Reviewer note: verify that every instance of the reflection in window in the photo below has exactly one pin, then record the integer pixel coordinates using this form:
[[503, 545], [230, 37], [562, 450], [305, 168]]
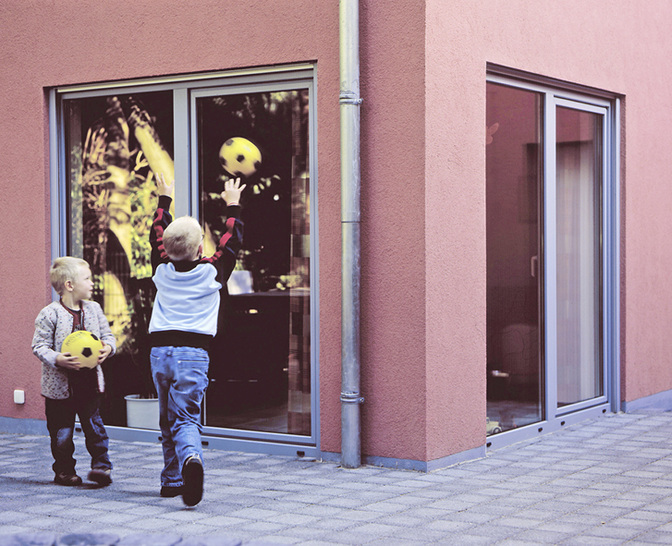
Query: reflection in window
[[260, 367], [260, 361], [113, 144], [579, 185], [513, 181]]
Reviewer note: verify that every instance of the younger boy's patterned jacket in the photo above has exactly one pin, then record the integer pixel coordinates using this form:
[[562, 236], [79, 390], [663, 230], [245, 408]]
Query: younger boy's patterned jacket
[[52, 326]]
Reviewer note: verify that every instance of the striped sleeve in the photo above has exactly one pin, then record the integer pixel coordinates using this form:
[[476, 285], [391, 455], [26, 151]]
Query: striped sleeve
[[162, 219], [224, 259]]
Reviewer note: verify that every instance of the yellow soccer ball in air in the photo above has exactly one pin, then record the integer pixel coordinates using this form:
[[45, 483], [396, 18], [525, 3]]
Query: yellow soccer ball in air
[[240, 157], [85, 346]]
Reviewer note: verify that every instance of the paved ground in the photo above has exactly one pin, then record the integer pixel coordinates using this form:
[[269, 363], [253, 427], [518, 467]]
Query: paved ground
[[605, 481]]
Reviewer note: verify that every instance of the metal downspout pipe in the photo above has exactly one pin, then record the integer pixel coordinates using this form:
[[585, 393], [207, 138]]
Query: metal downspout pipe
[[350, 225]]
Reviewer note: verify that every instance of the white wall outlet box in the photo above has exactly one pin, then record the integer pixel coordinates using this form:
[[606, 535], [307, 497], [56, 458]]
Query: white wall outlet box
[[19, 396]]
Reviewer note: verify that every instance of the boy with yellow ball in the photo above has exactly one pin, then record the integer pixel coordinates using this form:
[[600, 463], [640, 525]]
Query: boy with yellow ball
[[68, 388]]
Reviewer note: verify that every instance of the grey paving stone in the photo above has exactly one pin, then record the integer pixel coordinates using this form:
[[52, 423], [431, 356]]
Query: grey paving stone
[[450, 526], [10, 530], [605, 481], [651, 515], [334, 524], [666, 528], [653, 537], [569, 528], [320, 510], [542, 536], [494, 532], [149, 539], [386, 507], [518, 522], [613, 532], [87, 539], [402, 520], [202, 541], [29, 539]]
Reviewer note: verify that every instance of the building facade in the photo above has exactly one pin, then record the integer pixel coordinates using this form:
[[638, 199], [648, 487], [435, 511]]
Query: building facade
[[514, 190]]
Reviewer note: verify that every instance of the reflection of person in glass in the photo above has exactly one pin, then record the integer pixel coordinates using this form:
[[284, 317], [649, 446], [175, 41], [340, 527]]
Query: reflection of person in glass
[[184, 321]]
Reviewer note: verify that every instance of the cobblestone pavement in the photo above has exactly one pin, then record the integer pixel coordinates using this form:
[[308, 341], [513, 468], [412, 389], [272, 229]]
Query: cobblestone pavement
[[603, 481]]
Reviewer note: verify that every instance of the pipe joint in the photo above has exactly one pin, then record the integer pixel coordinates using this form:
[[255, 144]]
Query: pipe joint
[[351, 398], [349, 97]]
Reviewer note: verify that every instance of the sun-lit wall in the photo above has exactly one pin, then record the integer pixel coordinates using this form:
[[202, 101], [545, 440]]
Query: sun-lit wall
[[590, 43], [46, 45], [83, 42], [423, 176]]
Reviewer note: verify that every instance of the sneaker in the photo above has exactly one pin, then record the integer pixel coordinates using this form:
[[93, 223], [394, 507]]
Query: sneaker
[[170, 492], [192, 475], [101, 476], [63, 478]]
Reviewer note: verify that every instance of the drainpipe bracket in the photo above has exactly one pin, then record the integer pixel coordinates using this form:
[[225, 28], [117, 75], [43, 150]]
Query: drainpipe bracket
[[348, 97], [352, 398]]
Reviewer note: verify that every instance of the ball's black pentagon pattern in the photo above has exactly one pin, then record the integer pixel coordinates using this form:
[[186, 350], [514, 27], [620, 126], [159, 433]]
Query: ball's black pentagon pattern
[[84, 345], [240, 157]]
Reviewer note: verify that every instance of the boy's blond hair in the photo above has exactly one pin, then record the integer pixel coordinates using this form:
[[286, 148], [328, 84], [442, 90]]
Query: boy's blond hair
[[65, 268], [182, 239]]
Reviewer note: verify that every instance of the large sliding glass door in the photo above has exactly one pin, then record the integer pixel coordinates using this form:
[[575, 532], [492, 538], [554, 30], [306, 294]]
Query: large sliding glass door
[[551, 223], [579, 173], [111, 140], [260, 376], [514, 225]]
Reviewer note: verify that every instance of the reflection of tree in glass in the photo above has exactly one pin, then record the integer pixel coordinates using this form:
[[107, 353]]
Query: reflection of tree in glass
[[117, 204], [277, 123]]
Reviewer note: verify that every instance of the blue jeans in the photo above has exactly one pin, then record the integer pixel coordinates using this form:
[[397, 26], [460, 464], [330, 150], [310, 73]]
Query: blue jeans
[[61, 425], [181, 377]]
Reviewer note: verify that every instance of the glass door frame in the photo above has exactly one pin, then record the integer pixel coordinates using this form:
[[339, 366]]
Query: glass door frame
[[554, 102], [554, 95], [259, 79], [195, 197]]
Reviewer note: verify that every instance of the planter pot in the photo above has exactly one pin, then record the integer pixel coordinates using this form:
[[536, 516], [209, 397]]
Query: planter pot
[[142, 412]]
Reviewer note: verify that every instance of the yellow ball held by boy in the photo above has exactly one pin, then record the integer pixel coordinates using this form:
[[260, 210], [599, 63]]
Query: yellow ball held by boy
[[85, 346]]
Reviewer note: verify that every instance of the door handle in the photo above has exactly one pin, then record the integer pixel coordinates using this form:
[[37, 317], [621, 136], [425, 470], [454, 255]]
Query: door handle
[[534, 261]]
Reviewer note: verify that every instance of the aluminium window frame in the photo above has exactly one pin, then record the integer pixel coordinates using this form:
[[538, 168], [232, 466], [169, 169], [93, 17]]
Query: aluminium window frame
[[556, 94], [184, 87]]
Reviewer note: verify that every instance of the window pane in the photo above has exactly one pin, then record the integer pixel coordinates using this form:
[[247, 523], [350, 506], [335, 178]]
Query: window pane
[[260, 360], [579, 167], [513, 181], [112, 144]]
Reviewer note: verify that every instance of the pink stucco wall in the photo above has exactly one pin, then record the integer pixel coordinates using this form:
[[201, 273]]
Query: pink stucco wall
[[591, 43], [51, 44], [423, 176], [393, 256]]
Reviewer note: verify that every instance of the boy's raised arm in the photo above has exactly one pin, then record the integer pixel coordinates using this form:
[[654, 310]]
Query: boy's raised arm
[[230, 243], [162, 218], [164, 187]]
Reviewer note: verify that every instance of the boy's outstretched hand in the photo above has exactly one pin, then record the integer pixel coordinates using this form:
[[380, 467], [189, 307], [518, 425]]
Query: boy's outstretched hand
[[232, 191], [163, 187]]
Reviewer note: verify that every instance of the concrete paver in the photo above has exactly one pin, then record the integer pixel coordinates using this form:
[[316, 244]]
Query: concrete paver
[[603, 481]]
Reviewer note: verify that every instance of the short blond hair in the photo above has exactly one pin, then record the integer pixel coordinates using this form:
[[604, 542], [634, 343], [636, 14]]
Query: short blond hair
[[65, 268], [182, 239]]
